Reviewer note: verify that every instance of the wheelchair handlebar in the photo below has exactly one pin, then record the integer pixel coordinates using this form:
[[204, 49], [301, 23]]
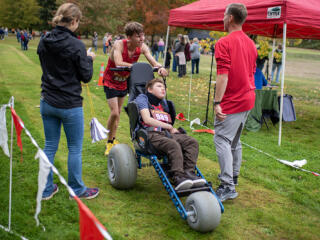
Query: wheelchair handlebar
[[128, 69]]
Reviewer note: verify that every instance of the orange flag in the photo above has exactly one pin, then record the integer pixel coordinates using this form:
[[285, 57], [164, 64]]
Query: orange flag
[[90, 227], [17, 123]]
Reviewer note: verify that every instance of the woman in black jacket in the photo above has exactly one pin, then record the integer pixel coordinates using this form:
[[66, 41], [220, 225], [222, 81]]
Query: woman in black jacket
[[65, 63]]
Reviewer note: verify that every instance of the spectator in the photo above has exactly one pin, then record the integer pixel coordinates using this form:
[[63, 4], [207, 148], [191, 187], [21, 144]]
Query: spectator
[[168, 60], [95, 41], [195, 55], [174, 63], [25, 40], [105, 43], [277, 63], [1, 33], [65, 64], [180, 57], [259, 79], [22, 39], [236, 56], [18, 35], [155, 51], [187, 48], [161, 47]]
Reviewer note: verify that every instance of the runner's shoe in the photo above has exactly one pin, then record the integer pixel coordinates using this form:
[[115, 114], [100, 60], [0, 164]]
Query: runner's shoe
[[109, 146]]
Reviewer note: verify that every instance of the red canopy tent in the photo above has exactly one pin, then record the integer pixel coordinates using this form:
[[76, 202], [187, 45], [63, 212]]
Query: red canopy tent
[[265, 17], [270, 18]]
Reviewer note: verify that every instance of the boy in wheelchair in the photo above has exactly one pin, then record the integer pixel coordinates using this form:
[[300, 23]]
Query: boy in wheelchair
[[181, 149]]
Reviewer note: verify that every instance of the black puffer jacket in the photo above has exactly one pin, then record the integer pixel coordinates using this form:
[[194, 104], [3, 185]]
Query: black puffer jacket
[[65, 64]]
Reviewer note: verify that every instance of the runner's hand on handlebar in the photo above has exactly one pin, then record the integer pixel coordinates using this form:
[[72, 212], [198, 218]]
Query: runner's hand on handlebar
[[162, 71]]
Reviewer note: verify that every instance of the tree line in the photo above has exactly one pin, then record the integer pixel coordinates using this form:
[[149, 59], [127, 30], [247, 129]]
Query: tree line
[[98, 15]]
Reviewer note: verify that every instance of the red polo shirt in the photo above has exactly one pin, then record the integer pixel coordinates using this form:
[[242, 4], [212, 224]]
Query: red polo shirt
[[236, 56]]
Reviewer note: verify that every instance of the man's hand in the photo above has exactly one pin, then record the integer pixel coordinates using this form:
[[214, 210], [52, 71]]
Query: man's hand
[[163, 72], [218, 112]]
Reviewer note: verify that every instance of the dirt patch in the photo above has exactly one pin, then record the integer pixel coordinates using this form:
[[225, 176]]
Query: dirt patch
[[255, 198], [303, 69]]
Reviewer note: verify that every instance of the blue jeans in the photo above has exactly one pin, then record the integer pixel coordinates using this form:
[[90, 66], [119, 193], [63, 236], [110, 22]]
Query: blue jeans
[[174, 62], [274, 67], [72, 121], [156, 54], [195, 62], [104, 49]]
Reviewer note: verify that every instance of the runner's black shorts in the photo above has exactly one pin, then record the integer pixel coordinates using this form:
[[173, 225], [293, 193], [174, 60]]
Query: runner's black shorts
[[111, 92]]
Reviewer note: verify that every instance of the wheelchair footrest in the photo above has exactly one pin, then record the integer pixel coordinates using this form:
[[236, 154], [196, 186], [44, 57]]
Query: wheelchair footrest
[[187, 192]]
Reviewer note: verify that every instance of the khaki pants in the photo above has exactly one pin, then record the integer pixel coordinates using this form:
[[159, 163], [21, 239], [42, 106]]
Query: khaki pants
[[228, 146], [182, 150]]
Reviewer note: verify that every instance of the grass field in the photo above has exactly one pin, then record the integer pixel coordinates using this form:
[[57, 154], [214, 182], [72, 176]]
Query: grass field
[[275, 201]]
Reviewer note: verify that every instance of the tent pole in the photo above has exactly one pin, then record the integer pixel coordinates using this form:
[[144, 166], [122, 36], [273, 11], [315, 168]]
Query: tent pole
[[272, 56], [282, 78], [190, 84], [166, 47]]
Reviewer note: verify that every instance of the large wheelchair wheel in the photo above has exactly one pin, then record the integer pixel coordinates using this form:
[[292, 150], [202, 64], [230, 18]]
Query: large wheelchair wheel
[[122, 167], [205, 211]]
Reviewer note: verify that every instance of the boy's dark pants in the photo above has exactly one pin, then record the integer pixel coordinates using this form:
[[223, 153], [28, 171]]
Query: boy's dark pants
[[182, 150]]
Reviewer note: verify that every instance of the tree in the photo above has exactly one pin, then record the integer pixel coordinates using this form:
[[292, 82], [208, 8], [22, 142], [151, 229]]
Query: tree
[[102, 15], [153, 14], [19, 14], [47, 7]]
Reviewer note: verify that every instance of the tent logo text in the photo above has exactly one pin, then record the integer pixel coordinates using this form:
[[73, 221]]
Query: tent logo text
[[274, 12]]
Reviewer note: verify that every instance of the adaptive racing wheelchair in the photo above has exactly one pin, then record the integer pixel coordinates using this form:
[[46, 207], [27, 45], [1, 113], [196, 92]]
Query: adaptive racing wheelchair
[[203, 208]]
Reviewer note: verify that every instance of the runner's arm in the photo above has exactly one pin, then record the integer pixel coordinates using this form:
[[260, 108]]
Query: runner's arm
[[145, 50]]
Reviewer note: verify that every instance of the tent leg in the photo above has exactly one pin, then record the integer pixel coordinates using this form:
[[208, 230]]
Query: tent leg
[[190, 85], [209, 91], [282, 78], [166, 47]]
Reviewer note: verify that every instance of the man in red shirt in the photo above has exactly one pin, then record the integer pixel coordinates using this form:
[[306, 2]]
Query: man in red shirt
[[124, 53], [236, 63]]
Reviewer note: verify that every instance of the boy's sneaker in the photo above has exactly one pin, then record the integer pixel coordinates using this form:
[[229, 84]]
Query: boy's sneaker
[[55, 190], [182, 183], [109, 146], [196, 180], [88, 194], [225, 193]]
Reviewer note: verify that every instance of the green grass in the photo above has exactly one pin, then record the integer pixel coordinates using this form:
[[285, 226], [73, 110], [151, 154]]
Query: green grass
[[275, 201]]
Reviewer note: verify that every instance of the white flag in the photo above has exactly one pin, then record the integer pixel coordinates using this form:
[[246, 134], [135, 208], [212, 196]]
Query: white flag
[[44, 170], [98, 132], [3, 131]]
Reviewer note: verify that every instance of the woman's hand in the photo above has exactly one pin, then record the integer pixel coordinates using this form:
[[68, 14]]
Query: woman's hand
[[91, 54]]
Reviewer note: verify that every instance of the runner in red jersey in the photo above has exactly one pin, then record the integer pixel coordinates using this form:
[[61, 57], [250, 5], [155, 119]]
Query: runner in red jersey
[[124, 53]]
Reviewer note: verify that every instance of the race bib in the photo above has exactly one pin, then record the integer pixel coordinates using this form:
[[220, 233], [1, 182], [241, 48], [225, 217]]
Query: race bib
[[161, 116]]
